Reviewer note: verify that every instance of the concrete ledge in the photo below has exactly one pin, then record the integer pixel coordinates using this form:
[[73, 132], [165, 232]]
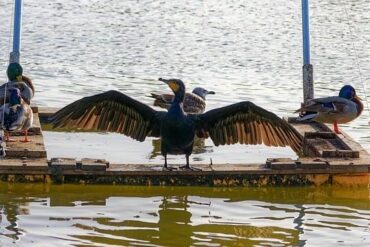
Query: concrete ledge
[[31, 165], [217, 180], [215, 175]]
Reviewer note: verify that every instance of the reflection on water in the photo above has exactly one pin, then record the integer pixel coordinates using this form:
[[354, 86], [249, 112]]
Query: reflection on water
[[117, 148], [199, 147], [243, 50], [179, 216]]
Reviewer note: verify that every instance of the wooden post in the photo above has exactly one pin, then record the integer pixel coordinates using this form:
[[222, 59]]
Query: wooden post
[[307, 82]]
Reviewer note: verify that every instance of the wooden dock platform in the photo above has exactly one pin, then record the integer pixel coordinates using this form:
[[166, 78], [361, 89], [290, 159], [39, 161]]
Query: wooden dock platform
[[329, 160]]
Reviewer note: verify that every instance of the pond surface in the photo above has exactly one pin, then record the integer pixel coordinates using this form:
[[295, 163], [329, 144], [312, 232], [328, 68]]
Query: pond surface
[[80, 215], [243, 50]]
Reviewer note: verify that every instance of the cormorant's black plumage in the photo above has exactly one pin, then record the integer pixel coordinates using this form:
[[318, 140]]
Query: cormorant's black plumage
[[243, 122]]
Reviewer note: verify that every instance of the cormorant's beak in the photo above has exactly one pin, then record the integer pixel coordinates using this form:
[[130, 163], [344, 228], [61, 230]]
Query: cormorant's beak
[[164, 80], [173, 85], [211, 92]]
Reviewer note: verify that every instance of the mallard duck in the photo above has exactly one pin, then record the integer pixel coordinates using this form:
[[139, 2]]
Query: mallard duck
[[17, 80], [243, 122], [194, 102], [16, 115], [335, 110]]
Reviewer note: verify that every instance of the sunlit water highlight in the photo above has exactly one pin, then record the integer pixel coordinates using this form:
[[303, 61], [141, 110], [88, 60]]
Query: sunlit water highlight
[[242, 50], [79, 215]]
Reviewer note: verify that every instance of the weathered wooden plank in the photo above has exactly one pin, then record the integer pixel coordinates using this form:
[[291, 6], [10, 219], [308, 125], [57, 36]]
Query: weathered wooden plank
[[313, 165], [63, 163], [324, 146], [308, 171], [281, 164], [323, 135], [33, 149], [24, 165], [303, 127], [340, 154], [26, 153], [35, 108], [353, 145], [92, 164], [350, 169], [320, 141]]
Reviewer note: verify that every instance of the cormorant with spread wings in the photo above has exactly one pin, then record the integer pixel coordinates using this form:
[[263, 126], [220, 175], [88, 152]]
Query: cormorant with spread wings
[[113, 111]]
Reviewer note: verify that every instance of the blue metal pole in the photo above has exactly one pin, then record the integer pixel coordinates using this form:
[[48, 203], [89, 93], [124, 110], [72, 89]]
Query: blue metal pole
[[308, 91], [306, 32], [15, 54]]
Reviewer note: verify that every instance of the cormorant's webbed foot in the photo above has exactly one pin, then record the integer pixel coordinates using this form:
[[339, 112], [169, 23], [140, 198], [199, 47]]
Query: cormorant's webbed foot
[[165, 166], [187, 167]]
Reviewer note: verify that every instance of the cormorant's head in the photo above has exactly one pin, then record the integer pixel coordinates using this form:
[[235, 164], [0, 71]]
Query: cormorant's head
[[14, 96], [201, 92], [14, 72], [348, 92], [177, 86]]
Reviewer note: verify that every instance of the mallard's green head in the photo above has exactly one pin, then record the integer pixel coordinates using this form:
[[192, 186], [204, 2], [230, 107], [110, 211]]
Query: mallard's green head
[[14, 71], [348, 92], [177, 86]]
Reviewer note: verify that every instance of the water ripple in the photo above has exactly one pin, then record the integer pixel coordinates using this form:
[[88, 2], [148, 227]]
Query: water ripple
[[93, 215]]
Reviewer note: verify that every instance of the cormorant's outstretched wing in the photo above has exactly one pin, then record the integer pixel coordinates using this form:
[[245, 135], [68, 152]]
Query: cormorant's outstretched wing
[[246, 123], [110, 111]]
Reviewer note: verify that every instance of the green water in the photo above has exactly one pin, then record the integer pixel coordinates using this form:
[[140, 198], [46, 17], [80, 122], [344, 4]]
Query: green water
[[92, 215], [243, 50]]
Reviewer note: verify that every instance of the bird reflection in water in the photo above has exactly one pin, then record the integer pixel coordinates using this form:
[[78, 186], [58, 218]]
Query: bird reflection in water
[[199, 147], [176, 227], [9, 213], [161, 216]]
